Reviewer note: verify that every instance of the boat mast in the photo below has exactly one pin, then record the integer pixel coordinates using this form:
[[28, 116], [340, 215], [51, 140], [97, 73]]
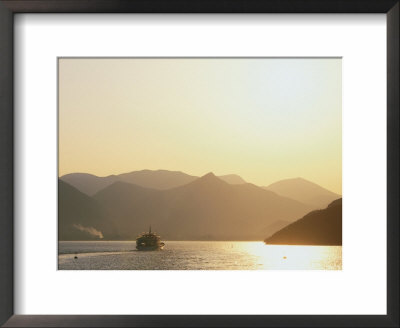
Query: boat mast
[[150, 229]]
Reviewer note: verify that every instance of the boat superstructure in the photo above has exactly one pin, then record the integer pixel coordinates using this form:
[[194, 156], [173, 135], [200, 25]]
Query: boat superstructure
[[149, 241]]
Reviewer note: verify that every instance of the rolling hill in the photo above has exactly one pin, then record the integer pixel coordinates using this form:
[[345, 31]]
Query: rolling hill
[[157, 179], [304, 191], [87, 183], [79, 216], [204, 209], [320, 227]]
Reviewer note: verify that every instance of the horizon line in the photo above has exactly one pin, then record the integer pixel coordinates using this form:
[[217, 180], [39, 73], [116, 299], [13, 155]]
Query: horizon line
[[196, 176]]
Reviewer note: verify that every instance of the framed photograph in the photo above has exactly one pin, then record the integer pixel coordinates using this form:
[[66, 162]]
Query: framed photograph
[[195, 163], [200, 120]]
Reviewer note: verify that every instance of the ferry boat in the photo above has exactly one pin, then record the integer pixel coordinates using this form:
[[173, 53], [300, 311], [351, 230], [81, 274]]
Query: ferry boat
[[149, 241]]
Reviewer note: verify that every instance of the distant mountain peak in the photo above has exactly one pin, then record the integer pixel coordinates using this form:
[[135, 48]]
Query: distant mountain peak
[[160, 179], [208, 180], [209, 177], [205, 208], [304, 191]]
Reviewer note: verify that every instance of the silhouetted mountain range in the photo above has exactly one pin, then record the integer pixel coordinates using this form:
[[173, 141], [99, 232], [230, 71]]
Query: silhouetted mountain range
[[207, 208], [321, 227], [79, 216], [157, 179], [304, 191]]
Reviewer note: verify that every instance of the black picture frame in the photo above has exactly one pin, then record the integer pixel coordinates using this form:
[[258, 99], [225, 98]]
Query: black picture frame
[[10, 7]]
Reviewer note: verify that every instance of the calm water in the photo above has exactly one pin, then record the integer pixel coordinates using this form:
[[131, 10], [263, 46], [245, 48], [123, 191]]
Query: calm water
[[196, 255]]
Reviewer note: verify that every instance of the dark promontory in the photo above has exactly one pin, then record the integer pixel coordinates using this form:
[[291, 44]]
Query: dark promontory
[[321, 227]]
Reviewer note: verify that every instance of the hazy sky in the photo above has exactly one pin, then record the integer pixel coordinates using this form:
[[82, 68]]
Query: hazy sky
[[263, 119]]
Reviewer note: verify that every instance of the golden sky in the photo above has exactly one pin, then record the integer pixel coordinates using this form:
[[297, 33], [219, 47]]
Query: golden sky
[[263, 119]]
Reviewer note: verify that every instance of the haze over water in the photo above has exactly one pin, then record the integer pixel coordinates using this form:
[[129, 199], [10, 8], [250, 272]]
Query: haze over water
[[196, 255]]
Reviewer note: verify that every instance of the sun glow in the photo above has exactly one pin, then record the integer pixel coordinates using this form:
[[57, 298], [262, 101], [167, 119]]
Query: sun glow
[[283, 257], [251, 117]]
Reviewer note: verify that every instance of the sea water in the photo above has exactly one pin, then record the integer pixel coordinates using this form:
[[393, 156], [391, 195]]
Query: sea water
[[196, 255]]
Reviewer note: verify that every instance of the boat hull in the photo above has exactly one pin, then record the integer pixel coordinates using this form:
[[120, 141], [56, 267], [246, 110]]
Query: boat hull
[[149, 248]]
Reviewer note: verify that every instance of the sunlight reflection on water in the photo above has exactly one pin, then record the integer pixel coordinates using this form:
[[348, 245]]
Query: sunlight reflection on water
[[195, 255], [281, 257]]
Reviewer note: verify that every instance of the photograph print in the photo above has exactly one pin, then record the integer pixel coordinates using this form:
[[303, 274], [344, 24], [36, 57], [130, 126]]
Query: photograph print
[[199, 163]]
